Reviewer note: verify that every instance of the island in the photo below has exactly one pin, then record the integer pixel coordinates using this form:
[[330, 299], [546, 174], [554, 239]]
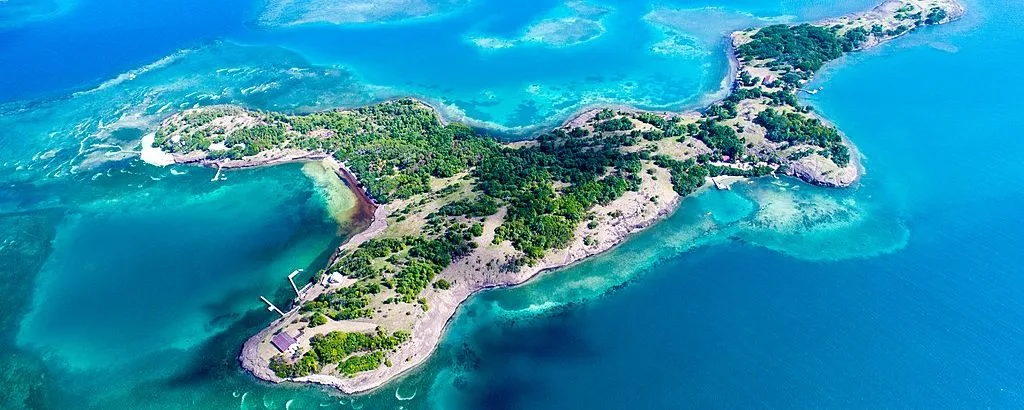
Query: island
[[456, 211]]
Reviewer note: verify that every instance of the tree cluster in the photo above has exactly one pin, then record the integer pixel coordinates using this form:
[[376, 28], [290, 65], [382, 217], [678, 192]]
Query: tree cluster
[[795, 128], [353, 352], [804, 48]]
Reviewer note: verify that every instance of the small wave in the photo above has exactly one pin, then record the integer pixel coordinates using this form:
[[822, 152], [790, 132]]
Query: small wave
[[228, 70], [164, 107], [260, 88], [404, 398]]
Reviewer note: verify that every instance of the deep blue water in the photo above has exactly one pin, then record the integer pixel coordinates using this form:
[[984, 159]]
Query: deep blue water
[[901, 292], [96, 40]]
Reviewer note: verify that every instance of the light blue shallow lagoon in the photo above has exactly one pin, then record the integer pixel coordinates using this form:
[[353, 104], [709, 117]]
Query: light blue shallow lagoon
[[126, 286]]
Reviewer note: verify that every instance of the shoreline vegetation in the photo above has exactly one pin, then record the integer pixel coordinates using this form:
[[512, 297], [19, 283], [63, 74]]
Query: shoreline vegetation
[[456, 212]]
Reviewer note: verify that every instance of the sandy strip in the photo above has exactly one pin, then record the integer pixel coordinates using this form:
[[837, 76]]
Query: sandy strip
[[153, 155]]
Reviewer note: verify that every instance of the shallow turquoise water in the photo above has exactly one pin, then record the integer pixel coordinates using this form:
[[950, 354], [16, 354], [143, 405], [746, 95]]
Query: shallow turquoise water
[[153, 276], [169, 277], [901, 292], [511, 90]]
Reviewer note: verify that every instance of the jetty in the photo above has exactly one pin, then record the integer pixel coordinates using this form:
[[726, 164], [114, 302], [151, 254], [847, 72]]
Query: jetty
[[271, 307], [216, 176], [719, 185]]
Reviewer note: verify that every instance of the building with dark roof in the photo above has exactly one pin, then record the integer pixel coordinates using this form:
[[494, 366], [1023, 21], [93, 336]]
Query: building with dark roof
[[283, 341]]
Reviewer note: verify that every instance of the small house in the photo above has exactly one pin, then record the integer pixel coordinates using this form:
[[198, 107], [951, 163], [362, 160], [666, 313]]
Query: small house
[[283, 342]]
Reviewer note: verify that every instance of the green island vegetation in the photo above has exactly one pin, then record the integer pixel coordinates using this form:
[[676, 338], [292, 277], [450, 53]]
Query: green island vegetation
[[351, 352], [792, 54], [593, 167], [935, 15], [453, 190], [317, 319], [803, 48], [442, 284], [795, 128], [393, 148]]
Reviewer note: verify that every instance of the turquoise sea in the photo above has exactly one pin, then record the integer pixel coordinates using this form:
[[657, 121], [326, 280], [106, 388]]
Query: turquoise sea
[[126, 286]]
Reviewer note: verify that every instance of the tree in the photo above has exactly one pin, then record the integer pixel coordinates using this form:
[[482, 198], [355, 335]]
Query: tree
[[317, 319]]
